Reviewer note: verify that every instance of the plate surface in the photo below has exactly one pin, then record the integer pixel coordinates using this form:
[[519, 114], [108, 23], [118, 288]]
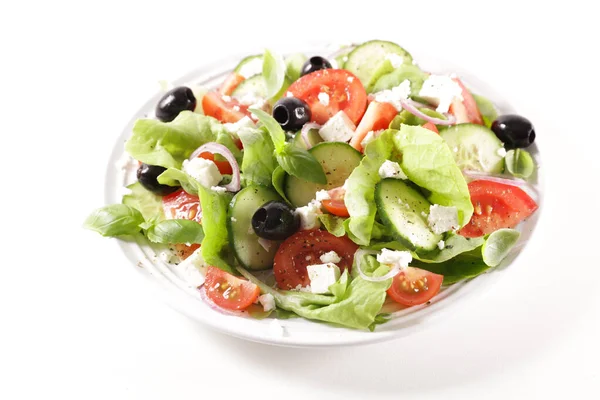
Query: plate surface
[[300, 332]]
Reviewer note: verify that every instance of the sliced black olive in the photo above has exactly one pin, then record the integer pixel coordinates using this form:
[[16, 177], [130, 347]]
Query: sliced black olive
[[291, 113], [275, 220]]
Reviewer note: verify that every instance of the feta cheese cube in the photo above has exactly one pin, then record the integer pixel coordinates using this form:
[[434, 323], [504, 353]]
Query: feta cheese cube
[[323, 98], [267, 301], [193, 269], [330, 257], [441, 245], [441, 91], [322, 195], [395, 59], [442, 219], [395, 94], [204, 171], [395, 257], [235, 127], [309, 215], [322, 276], [390, 169], [338, 128]]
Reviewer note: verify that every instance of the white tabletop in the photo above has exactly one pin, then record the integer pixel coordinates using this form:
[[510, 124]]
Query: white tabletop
[[81, 322]]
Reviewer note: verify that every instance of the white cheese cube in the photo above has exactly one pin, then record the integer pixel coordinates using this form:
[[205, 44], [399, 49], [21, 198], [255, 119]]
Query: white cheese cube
[[395, 94], [440, 90], [204, 171], [193, 269], [390, 169], [330, 257], [267, 301], [395, 257], [442, 219], [323, 98], [235, 127], [441, 245], [309, 215], [322, 276], [322, 195], [338, 128]]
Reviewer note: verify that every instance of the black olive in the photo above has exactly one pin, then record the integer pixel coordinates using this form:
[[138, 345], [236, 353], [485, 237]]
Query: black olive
[[291, 113], [275, 220], [514, 130], [175, 101], [147, 175], [314, 64]]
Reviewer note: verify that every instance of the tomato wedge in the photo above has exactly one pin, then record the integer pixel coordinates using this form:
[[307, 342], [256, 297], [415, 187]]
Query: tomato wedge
[[414, 286], [378, 116], [223, 107], [228, 291], [231, 82], [343, 90], [182, 205], [335, 205], [431, 126], [497, 205], [466, 111], [305, 248], [223, 166]]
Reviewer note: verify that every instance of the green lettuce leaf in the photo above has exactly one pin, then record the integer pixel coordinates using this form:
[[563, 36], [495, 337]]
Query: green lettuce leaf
[[115, 220], [258, 163], [278, 180], [486, 108], [406, 71], [333, 224], [404, 117], [168, 144], [273, 71], [428, 161], [146, 202], [464, 266], [177, 177], [175, 231], [215, 247], [293, 64]]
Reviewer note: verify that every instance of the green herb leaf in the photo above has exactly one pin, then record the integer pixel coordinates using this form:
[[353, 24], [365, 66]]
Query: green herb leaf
[[333, 224], [486, 108], [294, 65], [464, 266], [176, 231], [146, 202], [301, 164], [278, 180], [258, 163], [519, 163], [273, 71], [498, 245], [115, 220], [273, 127]]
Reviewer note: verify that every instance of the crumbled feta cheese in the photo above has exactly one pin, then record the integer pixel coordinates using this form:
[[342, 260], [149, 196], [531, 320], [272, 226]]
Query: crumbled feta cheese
[[395, 94], [265, 243], [193, 269], [289, 94], [330, 257], [301, 288], [308, 258], [442, 219], [345, 58], [168, 257], [218, 189], [501, 152], [267, 301], [424, 214], [226, 98], [309, 215], [236, 108], [322, 195], [441, 244], [338, 128], [251, 100], [440, 90], [251, 68], [204, 171], [390, 169], [233, 219], [350, 79], [323, 98], [395, 59], [322, 276], [395, 257]]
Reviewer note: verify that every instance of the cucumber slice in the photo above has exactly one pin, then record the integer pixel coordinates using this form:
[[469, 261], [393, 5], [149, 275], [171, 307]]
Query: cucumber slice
[[475, 147], [250, 66], [338, 160], [313, 137], [403, 210], [254, 85], [368, 61], [241, 235]]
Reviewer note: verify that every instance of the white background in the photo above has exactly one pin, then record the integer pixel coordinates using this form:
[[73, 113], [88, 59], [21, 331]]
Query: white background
[[79, 322]]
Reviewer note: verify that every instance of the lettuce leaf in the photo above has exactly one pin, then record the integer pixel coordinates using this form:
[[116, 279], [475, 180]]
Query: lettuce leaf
[[215, 247], [146, 202], [428, 161], [258, 163], [175, 231], [486, 108], [168, 144], [464, 266]]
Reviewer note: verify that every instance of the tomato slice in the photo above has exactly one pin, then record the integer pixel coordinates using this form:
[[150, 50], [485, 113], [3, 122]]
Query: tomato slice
[[182, 205], [228, 291], [336, 205], [223, 166], [378, 116], [414, 286], [345, 93], [225, 110], [466, 111], [231, 82], [305, 248], [431, 126], [497, 206]]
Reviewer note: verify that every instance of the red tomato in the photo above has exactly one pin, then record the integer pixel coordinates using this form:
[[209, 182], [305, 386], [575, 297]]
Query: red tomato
[[224, 166], [414, 286], [378, 116], [183, 251], [336, 205], [304, 248], [345, 92], [181, 205], [497, 205], [228, 110], [228, 291], [431, 127], [467, 110], [231, 82]]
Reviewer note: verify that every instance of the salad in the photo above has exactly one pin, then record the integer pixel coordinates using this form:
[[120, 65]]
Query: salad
[[338, 189]]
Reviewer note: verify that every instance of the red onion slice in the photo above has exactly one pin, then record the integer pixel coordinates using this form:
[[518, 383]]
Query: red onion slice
[[305, 131], [358, 256], [216, 148], [408, 106], [420, 105]]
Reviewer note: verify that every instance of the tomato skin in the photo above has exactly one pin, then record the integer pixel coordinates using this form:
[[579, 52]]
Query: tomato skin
[[414, 286], [223, 166], [225, 111], [336, 205], [431, 127], [346, 93], [378, 116], [466, 111], [291, 260], [182, 205], [231, 82], [497, 205], [228, 291]]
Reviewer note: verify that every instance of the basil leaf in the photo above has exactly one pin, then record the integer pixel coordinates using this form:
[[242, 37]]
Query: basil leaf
[[294, 65], [498, 245], [273, 71], [115, 220], [176, 231], [273, 127], [278, 180], [301, 164], [519, 163], [146, 202]]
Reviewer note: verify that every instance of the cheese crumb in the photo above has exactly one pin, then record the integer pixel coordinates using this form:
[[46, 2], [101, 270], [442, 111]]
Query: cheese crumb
[[330, 257], [323, 98]]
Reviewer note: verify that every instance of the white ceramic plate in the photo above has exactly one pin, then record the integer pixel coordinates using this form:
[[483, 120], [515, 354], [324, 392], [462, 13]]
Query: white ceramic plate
[[300, 332]]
